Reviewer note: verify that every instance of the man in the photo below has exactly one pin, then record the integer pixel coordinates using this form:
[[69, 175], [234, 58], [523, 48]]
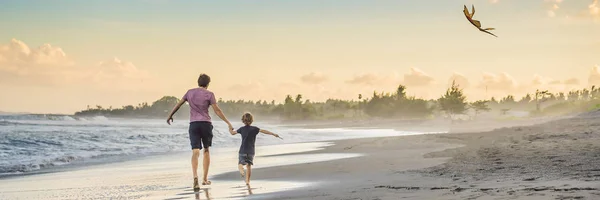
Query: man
[[200, 130]]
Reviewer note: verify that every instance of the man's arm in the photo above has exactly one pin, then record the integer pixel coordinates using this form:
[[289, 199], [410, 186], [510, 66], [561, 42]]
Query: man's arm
[[268, 133], [219, 113], [175, 109]]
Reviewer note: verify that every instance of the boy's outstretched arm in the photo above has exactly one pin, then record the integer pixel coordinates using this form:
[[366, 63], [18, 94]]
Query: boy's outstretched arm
[[268, 132], [175, 109]]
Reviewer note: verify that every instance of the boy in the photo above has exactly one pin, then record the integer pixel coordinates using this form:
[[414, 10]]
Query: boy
[[246, 152]]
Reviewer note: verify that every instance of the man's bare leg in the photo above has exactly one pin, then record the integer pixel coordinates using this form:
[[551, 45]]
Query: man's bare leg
[[248, 173], [195, 156], [205, 165]]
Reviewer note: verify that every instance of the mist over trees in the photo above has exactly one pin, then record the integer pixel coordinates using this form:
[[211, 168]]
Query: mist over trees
[[394, 104]]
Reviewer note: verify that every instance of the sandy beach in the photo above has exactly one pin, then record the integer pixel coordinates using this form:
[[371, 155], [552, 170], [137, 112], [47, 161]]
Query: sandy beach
[[558, 159], [536, 159], [159, 177]]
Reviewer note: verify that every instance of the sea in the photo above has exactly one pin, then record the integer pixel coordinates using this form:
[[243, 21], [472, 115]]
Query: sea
[[36, 143]]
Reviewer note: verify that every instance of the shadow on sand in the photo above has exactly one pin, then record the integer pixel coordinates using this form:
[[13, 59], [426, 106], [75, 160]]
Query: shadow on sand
[[245, 191], [196, 193], [205, 193]]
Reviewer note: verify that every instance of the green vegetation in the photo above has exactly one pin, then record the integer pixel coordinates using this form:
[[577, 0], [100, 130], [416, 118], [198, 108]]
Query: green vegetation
[[454, 101], [380, 105], [480, 106]]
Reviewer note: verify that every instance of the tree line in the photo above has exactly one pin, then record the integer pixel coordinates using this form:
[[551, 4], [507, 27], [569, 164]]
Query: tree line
[[396, 104]]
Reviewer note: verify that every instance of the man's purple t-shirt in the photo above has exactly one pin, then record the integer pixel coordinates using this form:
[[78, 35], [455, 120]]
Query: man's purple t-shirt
[[199, 99]]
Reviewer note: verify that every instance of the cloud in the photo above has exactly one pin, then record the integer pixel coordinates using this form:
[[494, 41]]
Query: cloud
[[545, 83], [250, 88], [594, 9], [501, 82], [371, 79], [540, 80], [364, 79], [551, 12], [118, 70], [48, 65], [18, 57], [416, 77], [314, 78], [459, 79], [571, 81], [555, 82], [594, 78], [553, 8], [45, 64]]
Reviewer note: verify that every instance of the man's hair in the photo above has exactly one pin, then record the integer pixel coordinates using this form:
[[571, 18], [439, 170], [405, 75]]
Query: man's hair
[[247, 118], [203, 80]]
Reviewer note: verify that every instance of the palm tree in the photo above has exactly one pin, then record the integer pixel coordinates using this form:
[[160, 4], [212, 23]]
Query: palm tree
[[359, 102], [540, 97]]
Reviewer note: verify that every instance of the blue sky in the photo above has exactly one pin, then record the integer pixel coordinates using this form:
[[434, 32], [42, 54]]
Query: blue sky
[[261, 49]]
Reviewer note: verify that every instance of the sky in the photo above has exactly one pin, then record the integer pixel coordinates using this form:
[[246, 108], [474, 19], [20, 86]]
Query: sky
[[58, 56]]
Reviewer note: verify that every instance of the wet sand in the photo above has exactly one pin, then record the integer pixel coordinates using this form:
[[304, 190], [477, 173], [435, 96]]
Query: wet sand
[[385, 161], [555, 160], [162, 177]]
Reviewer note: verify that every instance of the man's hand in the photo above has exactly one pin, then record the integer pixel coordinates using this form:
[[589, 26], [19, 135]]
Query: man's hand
[[170, 118], [230, 127]]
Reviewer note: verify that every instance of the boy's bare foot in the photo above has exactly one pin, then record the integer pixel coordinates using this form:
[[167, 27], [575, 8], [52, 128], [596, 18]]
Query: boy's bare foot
[[196, 185], [206, 182]]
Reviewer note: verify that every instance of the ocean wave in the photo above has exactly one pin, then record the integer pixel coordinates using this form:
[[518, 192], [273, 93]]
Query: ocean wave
[[51, 117], [36, 142], [26, 152]]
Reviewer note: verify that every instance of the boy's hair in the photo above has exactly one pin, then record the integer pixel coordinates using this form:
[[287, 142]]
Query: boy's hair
[[247, 118], [203, 80]]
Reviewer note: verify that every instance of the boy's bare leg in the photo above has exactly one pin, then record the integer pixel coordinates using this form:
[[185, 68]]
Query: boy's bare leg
[[205, 165], [249, 189], [241, 168], [248, 173]]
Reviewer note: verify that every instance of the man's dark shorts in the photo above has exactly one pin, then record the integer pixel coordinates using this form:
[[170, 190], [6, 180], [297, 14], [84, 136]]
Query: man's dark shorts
[[246, 159], [200, 134]]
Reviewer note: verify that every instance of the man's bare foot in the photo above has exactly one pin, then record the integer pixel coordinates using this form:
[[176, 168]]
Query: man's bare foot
[[206, 182], [196, 185]]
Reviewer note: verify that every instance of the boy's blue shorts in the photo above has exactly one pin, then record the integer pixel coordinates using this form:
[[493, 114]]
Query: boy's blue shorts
[[246, 159]]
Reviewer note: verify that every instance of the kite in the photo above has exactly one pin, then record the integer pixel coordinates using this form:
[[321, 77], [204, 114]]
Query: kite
[[476, 23]]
